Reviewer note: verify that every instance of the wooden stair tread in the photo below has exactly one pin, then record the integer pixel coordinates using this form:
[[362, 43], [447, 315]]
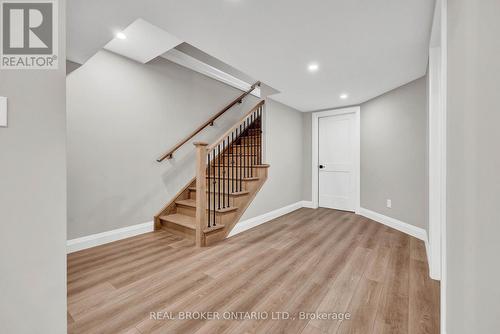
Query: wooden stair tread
[[192, 203], [180, 219], [187, 202], [238, 154], [213, 228], [236, 193], [242, 166], [255, 178], [240, 145]]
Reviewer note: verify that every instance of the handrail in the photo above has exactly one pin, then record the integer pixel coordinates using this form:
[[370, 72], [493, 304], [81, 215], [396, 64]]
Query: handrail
[[170, 153], [219, 140]]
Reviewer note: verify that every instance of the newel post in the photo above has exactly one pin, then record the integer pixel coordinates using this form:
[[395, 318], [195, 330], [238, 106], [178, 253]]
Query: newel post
[[201, 191]]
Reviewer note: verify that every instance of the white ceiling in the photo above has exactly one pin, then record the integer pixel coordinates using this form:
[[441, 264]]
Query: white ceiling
[[363, 47], [144, 41]]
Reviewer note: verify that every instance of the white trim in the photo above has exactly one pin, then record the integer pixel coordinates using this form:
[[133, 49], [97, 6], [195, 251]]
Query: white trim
[[256, 221], [436, 149], [308, 204], [409, 229], [438, 63], [444, 55], [357, 147], [93, 240], [194, 64]]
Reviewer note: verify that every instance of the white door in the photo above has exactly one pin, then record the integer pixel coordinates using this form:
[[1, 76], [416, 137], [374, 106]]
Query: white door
[[336, 162]]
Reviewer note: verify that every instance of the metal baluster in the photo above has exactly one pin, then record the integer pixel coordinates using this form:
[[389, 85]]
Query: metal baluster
[[232, 161], [250, 141], [253, 143], [246, 148], [213, 186], [218, 175], [208, 180], [223, 171], [227, 172], [260, 139], [249, 145], [239, 153]]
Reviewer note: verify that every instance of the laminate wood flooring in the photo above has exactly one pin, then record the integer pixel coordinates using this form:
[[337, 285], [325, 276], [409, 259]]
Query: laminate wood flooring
[[300, 273]]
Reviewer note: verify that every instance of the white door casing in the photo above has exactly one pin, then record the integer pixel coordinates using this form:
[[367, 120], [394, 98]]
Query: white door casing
[[340, 179]]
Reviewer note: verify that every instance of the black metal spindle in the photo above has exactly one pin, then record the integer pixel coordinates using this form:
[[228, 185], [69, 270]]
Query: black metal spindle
[[208, 181], [253, 143], [218, 176], [240, 150], [245, 141], [228, 169], [231, 148], [223, 171], [260, 139], [250, 139], [213, 186]]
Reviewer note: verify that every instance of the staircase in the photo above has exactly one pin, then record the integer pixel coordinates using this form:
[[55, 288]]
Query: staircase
[[229, 174]]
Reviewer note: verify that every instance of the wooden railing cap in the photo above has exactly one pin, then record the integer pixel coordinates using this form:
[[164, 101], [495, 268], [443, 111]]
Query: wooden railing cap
[[200, 143]]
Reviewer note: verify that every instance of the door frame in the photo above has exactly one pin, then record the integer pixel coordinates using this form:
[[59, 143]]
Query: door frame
[[315, 116]]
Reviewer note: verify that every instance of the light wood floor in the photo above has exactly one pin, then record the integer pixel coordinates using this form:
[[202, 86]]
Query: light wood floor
[[321, 261]]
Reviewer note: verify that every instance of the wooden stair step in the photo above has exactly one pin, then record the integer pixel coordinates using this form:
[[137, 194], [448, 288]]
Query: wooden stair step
[[213, 228], [238, 154], [187, 202], [250, 135], [192, 203], [242, 166], [255, 178], [180, 219], [236, 193]]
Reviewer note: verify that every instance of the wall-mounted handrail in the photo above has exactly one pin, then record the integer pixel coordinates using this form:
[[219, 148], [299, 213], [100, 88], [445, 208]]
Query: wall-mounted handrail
[[169, 154]]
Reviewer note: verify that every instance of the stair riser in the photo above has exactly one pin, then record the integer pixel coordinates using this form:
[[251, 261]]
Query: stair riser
[[252, 140], [236, 172], [236, 160], [186, 210], [248, 149], [245, 185], [212, 238], [224, 202], [179, 230], [191, 211]]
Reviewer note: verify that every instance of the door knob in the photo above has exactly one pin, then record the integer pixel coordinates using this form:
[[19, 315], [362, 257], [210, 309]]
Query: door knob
[[321, 166]]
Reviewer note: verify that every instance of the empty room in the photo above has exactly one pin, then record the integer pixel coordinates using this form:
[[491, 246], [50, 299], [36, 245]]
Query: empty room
[[249, 166]]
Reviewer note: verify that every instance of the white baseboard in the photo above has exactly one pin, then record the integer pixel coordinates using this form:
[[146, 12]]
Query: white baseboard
[[256, 221], [409, 229], [93, 240], [308, 204]]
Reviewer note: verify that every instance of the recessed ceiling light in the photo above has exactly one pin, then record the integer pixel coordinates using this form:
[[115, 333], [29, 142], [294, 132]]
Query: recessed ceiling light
[[344, 96], [313, 67], [121, 35]]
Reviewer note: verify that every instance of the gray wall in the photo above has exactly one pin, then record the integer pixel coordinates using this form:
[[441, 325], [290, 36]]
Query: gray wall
[[284, 152], [394, 153], [473, 179], [121, 116], [33, 199]]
